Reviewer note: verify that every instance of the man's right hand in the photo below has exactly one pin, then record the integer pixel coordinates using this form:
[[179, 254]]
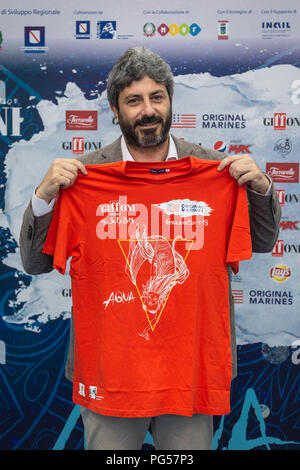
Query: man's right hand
[[61, 174]]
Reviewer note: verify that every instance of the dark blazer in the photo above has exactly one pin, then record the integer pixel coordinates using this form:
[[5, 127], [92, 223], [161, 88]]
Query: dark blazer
[[264, 212]]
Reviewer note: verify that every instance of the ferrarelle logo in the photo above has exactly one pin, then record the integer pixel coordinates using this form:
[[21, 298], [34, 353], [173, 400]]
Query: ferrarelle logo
[[76, 120], [178, 218]]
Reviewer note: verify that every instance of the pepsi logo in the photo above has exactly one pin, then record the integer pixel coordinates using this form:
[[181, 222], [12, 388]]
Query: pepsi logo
[[220, 146]]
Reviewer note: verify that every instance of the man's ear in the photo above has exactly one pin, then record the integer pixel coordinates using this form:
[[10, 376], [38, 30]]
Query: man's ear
[[115, 111]]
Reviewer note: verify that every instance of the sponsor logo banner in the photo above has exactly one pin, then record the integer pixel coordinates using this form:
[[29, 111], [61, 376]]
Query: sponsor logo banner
[[280, 273], [78, 145], [281, 121], [278, 248], [289, 224], [184, 29], [184, 121], [220, 146], [223, 121], [235, 147], [271, 297], [238, 296], [81, 120], [275, 29], [238, 148], [281, 247], [287, 198], [283, 172]]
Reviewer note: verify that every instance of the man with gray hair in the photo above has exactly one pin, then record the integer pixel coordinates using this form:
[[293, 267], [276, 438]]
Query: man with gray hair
[[140, 91]]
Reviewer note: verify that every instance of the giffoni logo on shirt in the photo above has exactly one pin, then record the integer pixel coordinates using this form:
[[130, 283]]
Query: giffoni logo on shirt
[[153, 240], [179, 218]]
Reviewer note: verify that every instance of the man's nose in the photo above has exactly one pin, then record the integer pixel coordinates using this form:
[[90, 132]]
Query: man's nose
[[148, 109]]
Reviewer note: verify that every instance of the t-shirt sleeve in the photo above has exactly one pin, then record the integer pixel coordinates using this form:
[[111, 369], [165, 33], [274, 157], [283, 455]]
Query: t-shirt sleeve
[[239, 244], [64, 232]]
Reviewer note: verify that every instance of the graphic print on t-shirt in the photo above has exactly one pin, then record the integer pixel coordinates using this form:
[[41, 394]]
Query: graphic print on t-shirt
[[156, 259], [167, 268]]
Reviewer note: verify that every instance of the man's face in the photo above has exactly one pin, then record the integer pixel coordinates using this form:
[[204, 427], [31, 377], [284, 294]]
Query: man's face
[[145, 113]]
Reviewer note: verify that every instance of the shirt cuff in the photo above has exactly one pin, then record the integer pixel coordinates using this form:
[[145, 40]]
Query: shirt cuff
[[268, 190], [41, 207]]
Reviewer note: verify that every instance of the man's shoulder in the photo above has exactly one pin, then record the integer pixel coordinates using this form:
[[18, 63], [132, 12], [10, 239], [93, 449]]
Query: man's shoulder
[[108, 154], [186, 148]]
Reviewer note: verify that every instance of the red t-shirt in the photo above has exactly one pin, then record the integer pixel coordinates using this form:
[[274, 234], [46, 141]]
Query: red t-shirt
[[150, 244]]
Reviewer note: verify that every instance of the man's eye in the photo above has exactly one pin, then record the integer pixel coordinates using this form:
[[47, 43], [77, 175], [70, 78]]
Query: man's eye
[[157, 97], [132, 101]]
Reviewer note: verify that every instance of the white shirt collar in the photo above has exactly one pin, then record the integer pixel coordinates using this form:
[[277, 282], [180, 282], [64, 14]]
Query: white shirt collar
[[172, 152]]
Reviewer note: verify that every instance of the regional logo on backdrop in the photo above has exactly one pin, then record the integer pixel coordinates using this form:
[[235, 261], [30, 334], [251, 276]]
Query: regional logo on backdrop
[[223, 29], [149, 30], [83, 30], [34, 39], [107, 29]]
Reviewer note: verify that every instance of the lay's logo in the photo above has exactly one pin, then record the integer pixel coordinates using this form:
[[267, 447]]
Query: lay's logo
[[280, 273]]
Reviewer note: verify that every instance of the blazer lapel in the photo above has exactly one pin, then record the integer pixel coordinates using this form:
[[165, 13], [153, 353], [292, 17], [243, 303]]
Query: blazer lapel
[[112, 153], [184, 148]]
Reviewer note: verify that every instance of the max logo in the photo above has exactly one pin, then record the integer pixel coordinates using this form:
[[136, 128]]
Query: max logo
[[239, 148], [289, 225]]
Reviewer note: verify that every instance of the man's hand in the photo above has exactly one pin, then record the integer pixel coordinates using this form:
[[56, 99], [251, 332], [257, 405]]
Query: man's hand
[[61, 174], [244, 169]]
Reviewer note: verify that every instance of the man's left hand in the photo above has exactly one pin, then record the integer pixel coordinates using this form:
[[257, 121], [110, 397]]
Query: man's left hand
[[244, 169]]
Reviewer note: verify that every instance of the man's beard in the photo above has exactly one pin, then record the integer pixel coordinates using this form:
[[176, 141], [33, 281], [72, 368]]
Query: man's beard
[[148, 137]]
